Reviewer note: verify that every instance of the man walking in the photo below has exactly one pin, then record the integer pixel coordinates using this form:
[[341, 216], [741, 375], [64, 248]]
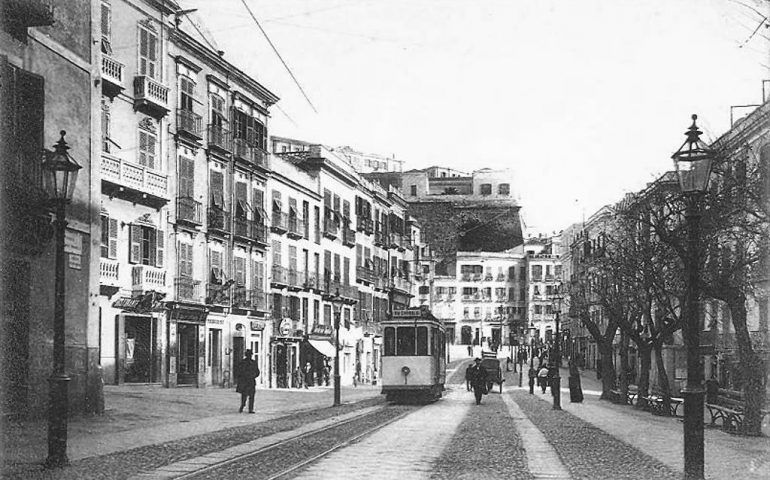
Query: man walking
[[478, 376], [245, 374]]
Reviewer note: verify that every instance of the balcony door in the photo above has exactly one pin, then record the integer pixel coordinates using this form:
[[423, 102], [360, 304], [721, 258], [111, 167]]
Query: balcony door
[[187, 343]]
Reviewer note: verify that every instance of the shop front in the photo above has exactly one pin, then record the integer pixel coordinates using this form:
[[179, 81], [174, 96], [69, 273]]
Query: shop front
[[137, 342], [285, 354], [186, 360], [318, 350]]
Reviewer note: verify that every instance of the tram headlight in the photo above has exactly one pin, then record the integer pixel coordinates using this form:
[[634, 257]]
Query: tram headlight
[[405, 370]]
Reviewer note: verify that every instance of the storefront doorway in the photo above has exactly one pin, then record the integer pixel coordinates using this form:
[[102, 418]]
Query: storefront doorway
[[215, 356], [187, 341], [141, 361]]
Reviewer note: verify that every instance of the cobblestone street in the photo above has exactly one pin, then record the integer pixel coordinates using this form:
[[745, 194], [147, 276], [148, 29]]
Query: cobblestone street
[[510, 435]]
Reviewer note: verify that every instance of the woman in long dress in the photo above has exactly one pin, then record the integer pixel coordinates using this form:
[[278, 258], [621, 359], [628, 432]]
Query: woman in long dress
[[575, 390]]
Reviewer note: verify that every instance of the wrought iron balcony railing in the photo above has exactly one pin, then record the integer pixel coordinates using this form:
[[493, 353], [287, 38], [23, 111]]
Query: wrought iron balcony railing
[[218, 220], [220, 138], [188, 122], [188, 210], [187, 289]]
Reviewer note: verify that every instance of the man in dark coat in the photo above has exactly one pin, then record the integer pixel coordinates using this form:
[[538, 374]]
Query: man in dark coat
[[575, 390], [245, 374], [468, 377], [478, 376]]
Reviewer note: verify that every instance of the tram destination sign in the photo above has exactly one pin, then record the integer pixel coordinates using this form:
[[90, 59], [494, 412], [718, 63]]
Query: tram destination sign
[[407, 313]]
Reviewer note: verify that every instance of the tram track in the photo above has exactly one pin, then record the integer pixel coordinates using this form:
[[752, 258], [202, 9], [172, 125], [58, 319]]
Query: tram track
[[269, 461]]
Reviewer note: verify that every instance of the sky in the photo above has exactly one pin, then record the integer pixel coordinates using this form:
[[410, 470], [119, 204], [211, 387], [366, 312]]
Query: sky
[[584, 100]]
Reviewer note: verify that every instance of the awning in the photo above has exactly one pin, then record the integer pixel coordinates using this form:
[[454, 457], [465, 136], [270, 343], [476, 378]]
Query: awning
[[324, 347]]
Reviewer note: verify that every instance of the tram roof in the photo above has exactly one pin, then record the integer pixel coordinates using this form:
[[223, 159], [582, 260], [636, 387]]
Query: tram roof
[[421, 313]]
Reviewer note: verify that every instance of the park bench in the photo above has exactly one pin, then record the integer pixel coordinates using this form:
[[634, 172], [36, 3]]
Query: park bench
[[616, 395], [729, 406], [655, 404]]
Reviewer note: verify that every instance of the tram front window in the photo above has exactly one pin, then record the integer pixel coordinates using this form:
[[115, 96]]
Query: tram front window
[[422, 341], [406, 341]]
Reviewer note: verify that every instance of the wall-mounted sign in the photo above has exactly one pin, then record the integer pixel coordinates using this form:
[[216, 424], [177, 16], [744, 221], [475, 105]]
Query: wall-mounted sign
[[286, 327], [75, 261], [258, 324], [73, 242]]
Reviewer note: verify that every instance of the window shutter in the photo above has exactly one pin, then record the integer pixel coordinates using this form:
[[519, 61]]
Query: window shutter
[[255, 285], [135, 248], [113, 238], [239, 265], [160, 243], [186, 177], [217, 189]]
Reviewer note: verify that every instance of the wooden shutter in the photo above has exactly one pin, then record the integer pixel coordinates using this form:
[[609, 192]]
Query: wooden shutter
[[240, 199], [346, 271], [215, 266], [113, 238], [217, 180], [160, 243], [186, 177], [255, 279], [239, 264], [258, 204], [135, 247]]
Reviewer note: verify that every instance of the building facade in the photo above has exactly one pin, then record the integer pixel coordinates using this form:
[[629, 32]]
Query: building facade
[[49, 82]]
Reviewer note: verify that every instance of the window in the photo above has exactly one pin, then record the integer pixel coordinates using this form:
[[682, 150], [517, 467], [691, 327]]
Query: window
[[276, 253], [218, 117], [106, 142], [217, 276], [217, 187], [241, 205], [106, 28], [146, 245], [239, 270], [486, 189], [328, 315], [504, 189], [257, 275], [185, 259], [147, 146], [148, 53], [186, 93], [317, 311], [186, 177], [109, 246], [413, 190], [425, 290], [537, 273], [538, 309]]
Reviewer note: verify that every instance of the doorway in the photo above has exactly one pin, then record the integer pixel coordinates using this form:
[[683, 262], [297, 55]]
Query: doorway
[[215, 356], [281, 363], [141, 359], [187, 340]]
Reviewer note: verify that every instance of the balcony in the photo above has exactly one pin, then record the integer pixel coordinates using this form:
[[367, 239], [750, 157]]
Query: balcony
[[279, 222], [466, 277], [219, 139], [364, 274], [241, 149], [477, 277], [133, 182], [296, 279], [260, 157], [217, 294], [407, 242], [311, 282], [365, 225], [188, 211], [151, 95], [218, 220], [249, 299], [189, 124], [331, 229], [349, 237], [296, 227], [396, 241], [108, 271], [379, 238], [401, 283], [280, 277], [249, 230], [501, 277], [112, 76], [145, 278], [349, 293], [187, 290]]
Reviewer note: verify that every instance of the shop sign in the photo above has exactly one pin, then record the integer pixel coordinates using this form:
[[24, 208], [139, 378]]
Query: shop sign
[[321, 330], [286, 327], [215, 320], [258, 324]]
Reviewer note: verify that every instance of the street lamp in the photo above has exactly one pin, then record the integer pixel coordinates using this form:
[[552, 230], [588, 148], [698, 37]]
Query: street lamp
[[693, 163], [59, 179], [556, 379], [336, 302]]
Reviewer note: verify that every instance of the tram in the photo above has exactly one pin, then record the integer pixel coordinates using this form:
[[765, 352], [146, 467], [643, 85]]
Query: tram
[[413, 357]]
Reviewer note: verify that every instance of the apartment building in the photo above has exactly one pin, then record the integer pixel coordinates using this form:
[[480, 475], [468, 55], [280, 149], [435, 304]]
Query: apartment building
[[355, 252], [184, 169], [545, 283], [364, 162], [484, 303]]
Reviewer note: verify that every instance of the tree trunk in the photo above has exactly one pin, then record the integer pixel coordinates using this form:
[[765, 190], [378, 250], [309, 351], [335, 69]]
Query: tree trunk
[[662, 378], [608, 368], [752, 367], [645, 360], [624, 364]]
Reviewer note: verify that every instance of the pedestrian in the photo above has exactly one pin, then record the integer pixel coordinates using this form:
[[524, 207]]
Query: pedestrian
[[296, 377], [542, 378], [468, 377], [326, 372], [357, 376], [478, 380], [470, 350], [308, 371], [575, 390], [532, 378], [246, 373]]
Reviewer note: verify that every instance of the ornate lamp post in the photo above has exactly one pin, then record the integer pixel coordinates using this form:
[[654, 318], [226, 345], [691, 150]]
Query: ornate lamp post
[[693, 163], [337, 305], [60, 172], [556, 379]]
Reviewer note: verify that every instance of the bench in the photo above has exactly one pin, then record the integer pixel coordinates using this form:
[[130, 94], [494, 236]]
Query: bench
[[616, 395], [729, 406], [656, 405]]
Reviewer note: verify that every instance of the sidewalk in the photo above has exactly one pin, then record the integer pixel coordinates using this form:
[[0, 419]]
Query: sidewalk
[[140, 415], [726, 456]]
